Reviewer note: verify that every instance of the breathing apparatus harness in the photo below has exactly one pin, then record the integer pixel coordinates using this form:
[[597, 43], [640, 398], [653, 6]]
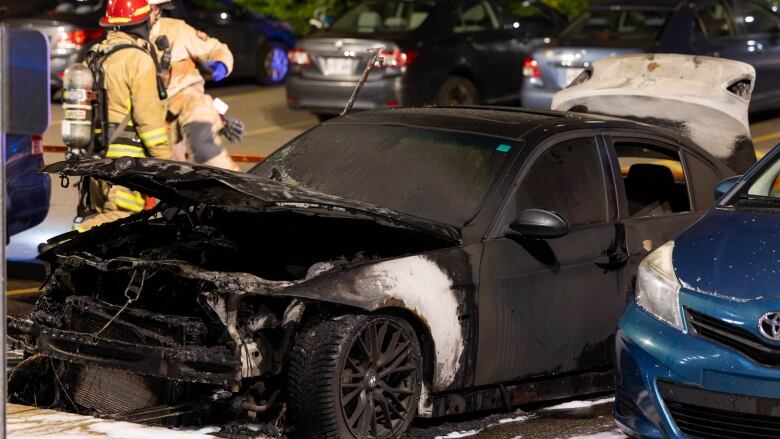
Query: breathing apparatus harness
[[86, 130]]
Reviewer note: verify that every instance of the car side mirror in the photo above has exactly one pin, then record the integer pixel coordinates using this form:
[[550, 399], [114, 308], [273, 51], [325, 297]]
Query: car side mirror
[[726, 185], [538, 224]]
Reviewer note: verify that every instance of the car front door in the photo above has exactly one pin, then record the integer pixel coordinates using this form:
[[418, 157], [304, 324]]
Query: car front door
[[551, 306]]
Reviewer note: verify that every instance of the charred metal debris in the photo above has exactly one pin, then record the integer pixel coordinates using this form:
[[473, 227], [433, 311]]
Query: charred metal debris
[[187, 313]]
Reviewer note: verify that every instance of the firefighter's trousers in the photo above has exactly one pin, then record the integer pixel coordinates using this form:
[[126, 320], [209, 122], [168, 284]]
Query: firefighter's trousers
[[194, 127]]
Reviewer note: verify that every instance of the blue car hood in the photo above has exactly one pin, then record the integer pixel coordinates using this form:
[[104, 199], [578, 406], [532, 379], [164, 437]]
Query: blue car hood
[[731, 254]]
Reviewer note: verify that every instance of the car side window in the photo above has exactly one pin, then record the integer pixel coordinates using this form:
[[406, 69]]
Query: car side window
[[475, 17], [714, 21], [567, 178], [654, 179], [756, 18]]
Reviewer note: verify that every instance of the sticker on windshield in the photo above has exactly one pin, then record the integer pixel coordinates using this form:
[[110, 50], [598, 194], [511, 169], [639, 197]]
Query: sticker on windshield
[[504, 148]]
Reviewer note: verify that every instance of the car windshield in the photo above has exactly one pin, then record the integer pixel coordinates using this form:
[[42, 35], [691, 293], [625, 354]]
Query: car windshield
[[602, 26], [385, 16], [436, 175], [762, 190]]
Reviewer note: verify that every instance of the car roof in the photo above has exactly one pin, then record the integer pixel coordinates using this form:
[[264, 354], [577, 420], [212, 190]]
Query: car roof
[[501, 122]]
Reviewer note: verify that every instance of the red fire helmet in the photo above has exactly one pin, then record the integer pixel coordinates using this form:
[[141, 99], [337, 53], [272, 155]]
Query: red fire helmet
[[125, 13]]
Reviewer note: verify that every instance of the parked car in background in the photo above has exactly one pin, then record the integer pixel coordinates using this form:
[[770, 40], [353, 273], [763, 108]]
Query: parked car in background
[[27, 190], [744, 30], [259, 44], [444, 52], [698, 350]]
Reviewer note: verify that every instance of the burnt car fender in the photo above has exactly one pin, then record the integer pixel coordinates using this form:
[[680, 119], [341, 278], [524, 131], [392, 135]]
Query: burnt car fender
[[422, 285]]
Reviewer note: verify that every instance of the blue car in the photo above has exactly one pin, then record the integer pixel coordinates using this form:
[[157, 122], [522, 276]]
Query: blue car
[[698, 350], [27, 190]]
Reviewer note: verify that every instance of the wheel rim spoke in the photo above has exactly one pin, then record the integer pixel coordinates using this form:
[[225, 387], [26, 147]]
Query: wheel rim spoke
[[391, 348], [346, 399], [385, 405], [361, 407]]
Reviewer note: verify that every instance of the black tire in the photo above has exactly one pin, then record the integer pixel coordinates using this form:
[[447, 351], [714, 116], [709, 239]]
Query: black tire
[[457, 90], [332, 377], [272, 66]]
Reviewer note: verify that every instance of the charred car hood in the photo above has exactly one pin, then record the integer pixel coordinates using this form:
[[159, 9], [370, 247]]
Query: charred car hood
[[731, 254], [183, 183]]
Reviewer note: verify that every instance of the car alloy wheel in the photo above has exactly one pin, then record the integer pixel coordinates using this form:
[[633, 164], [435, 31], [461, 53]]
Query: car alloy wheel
[[274, 63], [378, 380], [457, 91], [354, 376]]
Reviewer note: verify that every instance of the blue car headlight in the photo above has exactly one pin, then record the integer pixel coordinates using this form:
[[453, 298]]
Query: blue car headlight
[[657, 287]]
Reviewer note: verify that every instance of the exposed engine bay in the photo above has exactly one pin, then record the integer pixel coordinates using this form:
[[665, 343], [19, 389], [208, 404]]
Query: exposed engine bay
[[181, 312]]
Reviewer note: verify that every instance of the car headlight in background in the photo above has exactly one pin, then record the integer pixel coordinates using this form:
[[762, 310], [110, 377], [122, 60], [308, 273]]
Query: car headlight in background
[[657, 287]]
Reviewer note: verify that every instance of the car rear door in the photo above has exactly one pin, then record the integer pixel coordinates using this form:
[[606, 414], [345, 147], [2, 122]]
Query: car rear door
[[551, 306], [655, 193]]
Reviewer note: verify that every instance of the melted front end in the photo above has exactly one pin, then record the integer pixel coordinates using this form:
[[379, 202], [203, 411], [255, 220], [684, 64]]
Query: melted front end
[[182, 311]]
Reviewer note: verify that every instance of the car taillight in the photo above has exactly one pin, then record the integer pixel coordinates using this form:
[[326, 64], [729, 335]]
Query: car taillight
[[398, 59], [299, 57], [77, 38], [37, 145], [531, 68], [81, 36]]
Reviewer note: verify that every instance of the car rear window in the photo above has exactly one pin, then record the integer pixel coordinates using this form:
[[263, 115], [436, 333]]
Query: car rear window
[[602, 26], [385, 16], [437, 175]]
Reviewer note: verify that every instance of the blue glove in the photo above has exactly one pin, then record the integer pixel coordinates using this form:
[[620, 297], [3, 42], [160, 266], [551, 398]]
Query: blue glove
[[218, 70]]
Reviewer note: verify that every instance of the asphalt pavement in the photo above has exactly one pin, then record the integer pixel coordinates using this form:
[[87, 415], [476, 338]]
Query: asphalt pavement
[[271, 124]]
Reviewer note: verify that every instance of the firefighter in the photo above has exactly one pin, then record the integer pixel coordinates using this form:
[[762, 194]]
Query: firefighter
[[195, 122], [134, 103]]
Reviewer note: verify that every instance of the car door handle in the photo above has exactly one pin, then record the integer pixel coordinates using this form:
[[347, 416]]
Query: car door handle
[[611, 260]]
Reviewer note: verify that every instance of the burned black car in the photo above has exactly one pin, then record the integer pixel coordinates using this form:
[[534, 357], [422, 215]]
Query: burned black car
[[381, 266]]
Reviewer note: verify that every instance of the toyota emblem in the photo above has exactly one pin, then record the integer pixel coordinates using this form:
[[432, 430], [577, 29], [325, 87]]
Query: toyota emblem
[[769, 325]]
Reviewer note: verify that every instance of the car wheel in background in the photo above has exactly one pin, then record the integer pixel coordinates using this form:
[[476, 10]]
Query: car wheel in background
[[457, 90], [354, 376], [273, 63]]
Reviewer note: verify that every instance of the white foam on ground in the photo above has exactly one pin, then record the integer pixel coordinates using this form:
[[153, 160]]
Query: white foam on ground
[[51, 424], [456, 434], [513, 420], [580, 404]]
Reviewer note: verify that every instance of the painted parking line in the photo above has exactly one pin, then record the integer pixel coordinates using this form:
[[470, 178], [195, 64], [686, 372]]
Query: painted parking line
[[22, 291]]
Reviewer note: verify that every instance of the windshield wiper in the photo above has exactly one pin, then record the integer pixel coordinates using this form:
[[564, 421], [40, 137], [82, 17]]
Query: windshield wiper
[[747, 200]]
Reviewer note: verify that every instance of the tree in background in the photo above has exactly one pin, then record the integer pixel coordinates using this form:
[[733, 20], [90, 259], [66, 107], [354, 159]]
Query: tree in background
[[569, 7], [297, 12]]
